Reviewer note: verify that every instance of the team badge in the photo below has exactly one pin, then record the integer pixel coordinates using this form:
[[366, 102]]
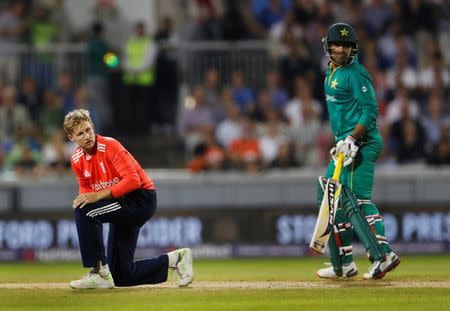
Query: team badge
[[102, 166], [334, 83], [344, 32]]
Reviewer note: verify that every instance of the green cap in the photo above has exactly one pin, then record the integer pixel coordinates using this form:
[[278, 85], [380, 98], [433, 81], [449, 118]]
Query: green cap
[[341, 32]]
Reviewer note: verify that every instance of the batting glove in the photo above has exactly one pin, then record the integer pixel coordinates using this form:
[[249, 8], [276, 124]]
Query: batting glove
[[348, 148]]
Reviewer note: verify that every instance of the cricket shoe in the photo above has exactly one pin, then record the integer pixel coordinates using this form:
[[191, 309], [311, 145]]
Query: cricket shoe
[[348, 271], [93, 280], [184, 267], [379, 268]]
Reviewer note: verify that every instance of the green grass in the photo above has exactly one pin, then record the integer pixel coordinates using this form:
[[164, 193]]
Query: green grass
[[356, 295]]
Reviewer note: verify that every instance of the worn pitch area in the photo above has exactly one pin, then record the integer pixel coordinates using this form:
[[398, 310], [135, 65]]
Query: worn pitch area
[[257, 285]]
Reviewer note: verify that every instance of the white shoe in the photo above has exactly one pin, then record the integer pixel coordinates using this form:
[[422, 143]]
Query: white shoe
[[348, 271], [379, 268], [184, 267], [93, 280]]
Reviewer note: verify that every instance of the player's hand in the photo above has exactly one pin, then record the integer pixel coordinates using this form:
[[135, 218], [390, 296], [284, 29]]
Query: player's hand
[[348, 148], [85, 198]]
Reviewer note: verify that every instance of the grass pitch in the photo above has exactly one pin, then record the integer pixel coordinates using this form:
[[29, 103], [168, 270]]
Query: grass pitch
[[419, 283]]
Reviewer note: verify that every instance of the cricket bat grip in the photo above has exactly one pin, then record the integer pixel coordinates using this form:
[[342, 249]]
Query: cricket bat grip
[[337, 169]]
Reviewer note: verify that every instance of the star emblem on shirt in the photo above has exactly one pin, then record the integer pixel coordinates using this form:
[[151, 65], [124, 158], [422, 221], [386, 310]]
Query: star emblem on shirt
[[334, 83], [344, 32]]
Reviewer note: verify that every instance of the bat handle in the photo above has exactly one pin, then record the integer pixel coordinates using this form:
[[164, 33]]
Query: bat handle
[[337, 169]]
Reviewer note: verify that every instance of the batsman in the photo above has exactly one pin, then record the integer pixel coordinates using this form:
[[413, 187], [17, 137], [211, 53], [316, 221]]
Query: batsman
[[353, 111]]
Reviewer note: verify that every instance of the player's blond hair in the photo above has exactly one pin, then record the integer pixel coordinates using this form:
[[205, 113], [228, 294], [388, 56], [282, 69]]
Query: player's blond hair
[[74, 118]]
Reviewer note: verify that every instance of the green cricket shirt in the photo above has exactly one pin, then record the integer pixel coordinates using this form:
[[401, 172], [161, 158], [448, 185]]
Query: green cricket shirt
[[351, 100]]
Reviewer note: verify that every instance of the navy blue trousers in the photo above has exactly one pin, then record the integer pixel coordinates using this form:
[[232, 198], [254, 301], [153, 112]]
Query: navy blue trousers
[[126, 215]]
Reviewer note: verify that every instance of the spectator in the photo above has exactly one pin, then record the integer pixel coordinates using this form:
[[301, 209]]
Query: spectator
[[376, 15], [52, 113], [211, 84], [43, 33], [167, 73], [395, 43], [297, 64], [65, 90], [440, 154], [294, 110], [23, 152], [402, 103], [436, 74], [408, 136], [306, 135], [242, 94], [401, 74], [97, 80], [12, 29], [277, 94], [197, 163], [285, 157], [244, 151], [305, 12], [233, 22], [166, 32], [434, 119], [115, 25], [269, 12], [56, 153], [214, 155], [139, 79], [281, 31], [61, 18], [270, 143], [263, 107], [207, 156], [31, 98], [205, 20], [196, 120], [346, 10], [230, 127], [378, 77], [83, 101], [12, 114]]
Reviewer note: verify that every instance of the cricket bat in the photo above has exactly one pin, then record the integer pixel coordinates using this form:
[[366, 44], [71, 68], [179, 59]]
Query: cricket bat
[[327, 211]]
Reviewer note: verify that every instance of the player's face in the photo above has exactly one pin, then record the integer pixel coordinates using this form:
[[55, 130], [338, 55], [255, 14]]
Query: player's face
[[340, 51], [84, 135]]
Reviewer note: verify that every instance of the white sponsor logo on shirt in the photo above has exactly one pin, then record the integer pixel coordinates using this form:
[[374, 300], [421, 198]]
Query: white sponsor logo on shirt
[[87, 174], [105, 184], [364, 89], [331, 98]]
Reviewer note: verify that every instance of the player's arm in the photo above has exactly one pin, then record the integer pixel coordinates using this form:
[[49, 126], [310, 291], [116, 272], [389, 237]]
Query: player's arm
[[359, 131], [364, 93]]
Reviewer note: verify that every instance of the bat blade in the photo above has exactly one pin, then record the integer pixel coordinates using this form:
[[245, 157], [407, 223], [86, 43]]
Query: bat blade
[[325, 218]]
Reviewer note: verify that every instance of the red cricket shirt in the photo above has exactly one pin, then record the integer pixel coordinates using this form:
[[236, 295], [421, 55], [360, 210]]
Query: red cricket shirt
[[111, 166]]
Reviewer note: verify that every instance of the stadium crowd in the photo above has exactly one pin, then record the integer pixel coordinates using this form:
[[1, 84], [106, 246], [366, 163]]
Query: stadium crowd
[[229, 123], [403, 45]]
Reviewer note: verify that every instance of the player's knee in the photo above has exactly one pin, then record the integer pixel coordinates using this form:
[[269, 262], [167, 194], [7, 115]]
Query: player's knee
[[79, 213]]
